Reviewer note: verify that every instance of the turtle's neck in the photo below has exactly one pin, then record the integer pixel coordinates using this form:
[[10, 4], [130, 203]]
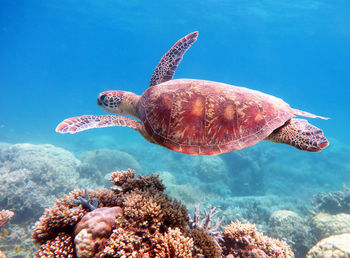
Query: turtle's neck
[[129, 104]]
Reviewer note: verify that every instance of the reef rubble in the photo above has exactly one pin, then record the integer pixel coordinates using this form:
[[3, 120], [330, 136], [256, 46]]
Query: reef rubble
[[136, 218]]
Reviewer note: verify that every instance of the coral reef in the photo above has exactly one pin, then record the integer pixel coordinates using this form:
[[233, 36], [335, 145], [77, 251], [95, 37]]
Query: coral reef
[[136, 218], [333, 246], [99, 163], [32, 176], [243, 240], [292, 228], [147, 216], [324, 224], [333, 202], [203, 167]]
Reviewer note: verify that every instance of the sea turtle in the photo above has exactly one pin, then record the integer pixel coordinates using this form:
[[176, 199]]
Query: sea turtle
[[201, 117]]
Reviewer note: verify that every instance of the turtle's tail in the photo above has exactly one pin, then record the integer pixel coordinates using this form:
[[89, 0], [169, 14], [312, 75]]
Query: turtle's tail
[[298, 112]]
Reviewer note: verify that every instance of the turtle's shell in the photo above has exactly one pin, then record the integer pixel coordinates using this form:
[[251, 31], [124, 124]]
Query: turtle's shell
[[205, 117]]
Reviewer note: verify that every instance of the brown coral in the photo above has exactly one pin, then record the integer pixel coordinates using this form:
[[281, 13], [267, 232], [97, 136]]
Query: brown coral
[[243, 240], [65, 214], [174, 244], [144, 210], [137, 219]]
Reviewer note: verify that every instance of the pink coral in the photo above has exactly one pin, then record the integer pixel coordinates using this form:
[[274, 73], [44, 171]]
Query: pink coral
[[93, 229]]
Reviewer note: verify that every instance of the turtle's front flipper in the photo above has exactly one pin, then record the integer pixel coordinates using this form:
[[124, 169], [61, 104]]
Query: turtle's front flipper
[[81, 123], [300, 134], [167, 65]]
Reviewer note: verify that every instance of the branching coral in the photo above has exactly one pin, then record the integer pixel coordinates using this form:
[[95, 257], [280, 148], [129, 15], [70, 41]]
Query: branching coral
[[137, 219], [150, 219], [243, 240], [60, 246], [65, 214], [202, 229]]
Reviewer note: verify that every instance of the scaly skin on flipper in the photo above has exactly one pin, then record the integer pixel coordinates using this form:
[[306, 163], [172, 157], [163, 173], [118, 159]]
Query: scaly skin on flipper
[[81, 123], [167, 65], [300, 134]]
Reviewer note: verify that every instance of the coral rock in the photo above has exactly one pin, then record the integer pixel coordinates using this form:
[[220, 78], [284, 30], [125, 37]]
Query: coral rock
[[333, 246], [325, 225], [107, 160], [93, 229], [289, 226]]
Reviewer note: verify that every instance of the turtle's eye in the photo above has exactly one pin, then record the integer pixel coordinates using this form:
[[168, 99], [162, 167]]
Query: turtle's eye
[[101, 99]]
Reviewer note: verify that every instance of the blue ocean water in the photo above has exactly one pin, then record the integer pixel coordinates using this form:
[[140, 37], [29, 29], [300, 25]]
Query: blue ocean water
[[57, 56]]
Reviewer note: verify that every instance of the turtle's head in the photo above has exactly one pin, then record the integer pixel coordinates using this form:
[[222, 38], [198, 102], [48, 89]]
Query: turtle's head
[[118, 102]]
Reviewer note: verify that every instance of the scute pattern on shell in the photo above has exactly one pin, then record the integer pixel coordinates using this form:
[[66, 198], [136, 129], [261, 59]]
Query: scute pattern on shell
[[204, 117]]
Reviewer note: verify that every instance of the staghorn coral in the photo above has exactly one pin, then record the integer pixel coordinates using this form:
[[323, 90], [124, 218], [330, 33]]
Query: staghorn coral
[[206, 237], [243, 240]]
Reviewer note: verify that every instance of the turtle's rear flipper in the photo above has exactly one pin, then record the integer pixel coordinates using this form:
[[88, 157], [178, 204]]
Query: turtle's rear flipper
[[300, 134], [81, 123], [298, 112]]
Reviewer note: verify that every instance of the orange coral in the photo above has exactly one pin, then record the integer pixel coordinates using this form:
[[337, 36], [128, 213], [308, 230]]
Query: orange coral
[[243, 240], [118, 178], [143, 209], [174, 244], [5, 215], [60, 246]]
